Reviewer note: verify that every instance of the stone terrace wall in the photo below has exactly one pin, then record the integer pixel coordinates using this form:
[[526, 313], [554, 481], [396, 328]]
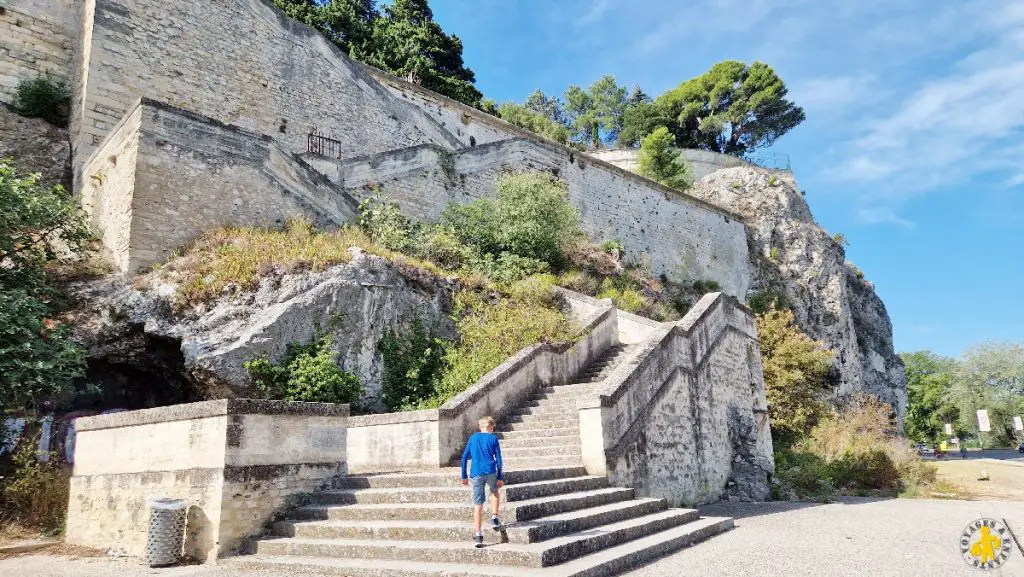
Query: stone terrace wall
[[36, 37], [700, 162], [165, 176], [682, 237], [685, 417], [240, 61], [237, 462]]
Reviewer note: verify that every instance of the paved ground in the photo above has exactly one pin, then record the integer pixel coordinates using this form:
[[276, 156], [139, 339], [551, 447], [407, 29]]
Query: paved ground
[[854, 538]]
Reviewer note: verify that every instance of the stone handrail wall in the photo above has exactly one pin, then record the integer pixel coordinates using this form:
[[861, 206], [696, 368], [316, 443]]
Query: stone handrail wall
[[695, 385], [431, 438], [237, 462], [36, 38]]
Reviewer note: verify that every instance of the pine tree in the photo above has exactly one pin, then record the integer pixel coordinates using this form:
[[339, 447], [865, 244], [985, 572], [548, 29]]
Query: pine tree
[[659, 162]]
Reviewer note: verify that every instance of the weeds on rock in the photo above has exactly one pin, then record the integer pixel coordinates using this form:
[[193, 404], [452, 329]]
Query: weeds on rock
[[46, 98], [308, 372]]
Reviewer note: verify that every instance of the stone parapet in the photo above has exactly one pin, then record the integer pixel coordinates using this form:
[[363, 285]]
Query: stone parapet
[[685, 417], [238, 462]]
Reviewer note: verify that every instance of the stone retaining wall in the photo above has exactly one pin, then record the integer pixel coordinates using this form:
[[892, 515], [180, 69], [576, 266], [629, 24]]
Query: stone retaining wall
[[238, 463], [685, 417]]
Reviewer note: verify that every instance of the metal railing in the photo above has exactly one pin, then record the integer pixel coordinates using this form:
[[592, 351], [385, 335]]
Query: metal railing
[[319, 143]]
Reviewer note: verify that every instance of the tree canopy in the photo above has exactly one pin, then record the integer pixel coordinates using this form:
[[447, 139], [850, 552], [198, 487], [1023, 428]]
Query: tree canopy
[[402, 39], [661, 163], [732, 108], [929, 377]]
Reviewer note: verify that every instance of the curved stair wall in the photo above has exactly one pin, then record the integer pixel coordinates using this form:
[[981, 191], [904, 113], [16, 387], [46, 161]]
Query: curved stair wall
[[685, 417]]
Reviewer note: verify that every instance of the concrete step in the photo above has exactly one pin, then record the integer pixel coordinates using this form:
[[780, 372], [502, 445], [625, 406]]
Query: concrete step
[[542, 400], [573, 431], [522, 532], [516, 463], [573, 449], [562, 410], [608, 551], [452, 494], [542, 554], [524, 441], [529, 423], [511, 512], [450, 477]]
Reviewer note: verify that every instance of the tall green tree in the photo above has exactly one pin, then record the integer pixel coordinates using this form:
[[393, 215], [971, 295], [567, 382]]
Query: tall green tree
[[929, 381], [37, 226], [526, 117], [991, 377], [408, 43], [660, 162], [349, 24], [549, 107], [733, 108], [595, 113]]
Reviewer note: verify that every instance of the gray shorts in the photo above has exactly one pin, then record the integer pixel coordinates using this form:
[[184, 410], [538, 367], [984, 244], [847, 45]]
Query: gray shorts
[[478, 483]]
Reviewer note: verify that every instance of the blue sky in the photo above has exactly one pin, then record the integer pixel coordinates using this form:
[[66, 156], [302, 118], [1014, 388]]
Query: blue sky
[[914, 141]]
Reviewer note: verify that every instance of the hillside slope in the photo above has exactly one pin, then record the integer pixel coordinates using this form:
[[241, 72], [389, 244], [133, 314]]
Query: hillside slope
[[792, 255]]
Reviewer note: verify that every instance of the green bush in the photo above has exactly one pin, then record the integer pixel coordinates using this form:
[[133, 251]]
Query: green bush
[[767, 299], [43, 97], [34, 494], [382, 220], [413, 362], [308, 373], [531, 219], [706, 286]]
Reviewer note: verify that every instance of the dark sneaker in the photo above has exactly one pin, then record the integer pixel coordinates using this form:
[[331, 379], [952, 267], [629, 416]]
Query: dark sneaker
[[479, 541], [495, 524]]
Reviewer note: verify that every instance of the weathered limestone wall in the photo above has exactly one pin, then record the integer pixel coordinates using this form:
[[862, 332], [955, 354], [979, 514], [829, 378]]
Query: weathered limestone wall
[[36, 37], [685, 417], [240, 61], [700, 162], [238, 463], [165, 176], [682, 237]]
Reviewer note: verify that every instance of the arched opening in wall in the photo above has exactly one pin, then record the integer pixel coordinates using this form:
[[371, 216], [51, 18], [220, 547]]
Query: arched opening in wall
[[472, 141]]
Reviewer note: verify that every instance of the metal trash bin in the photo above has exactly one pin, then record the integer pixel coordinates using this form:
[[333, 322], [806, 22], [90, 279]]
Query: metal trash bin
[[166, 531]]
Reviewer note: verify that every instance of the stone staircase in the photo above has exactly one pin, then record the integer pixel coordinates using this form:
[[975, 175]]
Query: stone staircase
[[559, 521]]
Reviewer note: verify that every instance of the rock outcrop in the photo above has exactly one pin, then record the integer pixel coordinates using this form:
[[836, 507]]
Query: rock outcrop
[[203, 348], [793, 256], [35, 146]]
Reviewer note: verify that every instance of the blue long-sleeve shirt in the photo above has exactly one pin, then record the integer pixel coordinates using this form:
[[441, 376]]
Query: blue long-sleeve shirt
[[485, 453]]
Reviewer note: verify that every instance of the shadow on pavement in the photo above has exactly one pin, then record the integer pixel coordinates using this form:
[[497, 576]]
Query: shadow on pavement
[[745, 510]]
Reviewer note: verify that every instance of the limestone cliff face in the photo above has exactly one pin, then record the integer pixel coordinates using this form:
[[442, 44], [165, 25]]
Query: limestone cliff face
[[134, 335], [832, 302]]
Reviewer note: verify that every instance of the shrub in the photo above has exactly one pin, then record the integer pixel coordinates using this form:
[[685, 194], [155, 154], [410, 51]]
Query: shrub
[[43, 97], [659, 162], [489, 334], [509, 268], [382, 221], [308, 373], [413, 360], [613, 245], [703, 287], [795, 376], [767, 299], [35, 493], [531, 218], [840, 239]]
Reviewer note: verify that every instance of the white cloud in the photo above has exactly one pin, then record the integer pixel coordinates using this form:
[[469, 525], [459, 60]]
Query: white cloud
[[883, 215], [835, 94], [1017, 180]]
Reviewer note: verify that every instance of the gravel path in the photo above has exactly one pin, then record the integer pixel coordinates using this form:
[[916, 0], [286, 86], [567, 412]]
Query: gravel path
[[853, 538]]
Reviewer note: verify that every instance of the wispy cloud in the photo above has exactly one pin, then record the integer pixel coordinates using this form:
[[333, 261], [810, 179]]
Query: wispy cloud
[[593, 14], [883, 215], [836, 94]]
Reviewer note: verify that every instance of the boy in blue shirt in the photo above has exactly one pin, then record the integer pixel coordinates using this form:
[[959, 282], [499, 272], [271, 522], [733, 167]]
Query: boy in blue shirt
[[485, 453]]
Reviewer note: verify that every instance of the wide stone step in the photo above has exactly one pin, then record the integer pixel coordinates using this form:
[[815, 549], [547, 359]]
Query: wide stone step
[[453, 494], [542, 554], [606, 550], [562, 410], [516, 463], [539, 433], [522, 532], [529, 423], [451, 477], [511, 512], [566, 402], [524, 441], [571, 450]]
